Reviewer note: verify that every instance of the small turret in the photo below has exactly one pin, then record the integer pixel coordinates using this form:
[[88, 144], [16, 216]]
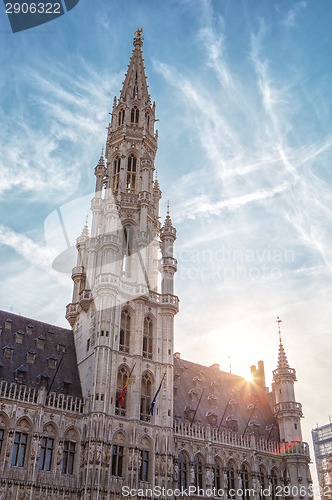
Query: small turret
[[287, 411], [168, 264]]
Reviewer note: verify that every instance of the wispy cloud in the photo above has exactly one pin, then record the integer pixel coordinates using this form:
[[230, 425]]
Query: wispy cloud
[[75, 108]]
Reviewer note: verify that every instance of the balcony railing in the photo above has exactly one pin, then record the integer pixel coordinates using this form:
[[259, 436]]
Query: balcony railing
[[184, 429]]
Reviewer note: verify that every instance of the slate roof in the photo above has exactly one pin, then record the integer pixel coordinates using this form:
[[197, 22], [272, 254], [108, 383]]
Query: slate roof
[[35, 353], [226, 396]]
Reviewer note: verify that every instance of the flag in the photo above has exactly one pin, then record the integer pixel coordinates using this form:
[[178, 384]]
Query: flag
[[155, 396], [121, 397]]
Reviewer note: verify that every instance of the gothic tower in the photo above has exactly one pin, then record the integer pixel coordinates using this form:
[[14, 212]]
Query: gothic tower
[[123, 304], [287, 411]]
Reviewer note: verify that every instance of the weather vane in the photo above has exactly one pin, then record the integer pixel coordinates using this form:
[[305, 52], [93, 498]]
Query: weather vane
[[279, 329], [138, 33]]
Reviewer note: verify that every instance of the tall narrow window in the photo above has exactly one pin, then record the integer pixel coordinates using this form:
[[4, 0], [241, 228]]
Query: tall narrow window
[[117, 460], [131, 173], [262, 482], [231, 480], [198, 474], [120, 407], [127, 250], [2, 437], [274, 484], [147, 337], [19, 449], [146, 393], [121, 117], [245, 481], [217, 470], [68, 458], [125, 331], [182, 471], [116, 173], [134, 115], [46, 453], [144, 466]]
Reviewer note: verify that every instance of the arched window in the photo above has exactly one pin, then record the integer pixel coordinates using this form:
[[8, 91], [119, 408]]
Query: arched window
[[274, 484], [147, 116], [244, 475], [47, 444], [262, 482], [144, 466], [116, 173], [127, 250], [120, 404], [147, 337], [198, 473], [146, 397], [125, 331], [131, 173], [182, 472], [217, 479], [121, 117], [117, 466], [230, 480], [2, 438], [134, 115], [69, 455], [20, 444]]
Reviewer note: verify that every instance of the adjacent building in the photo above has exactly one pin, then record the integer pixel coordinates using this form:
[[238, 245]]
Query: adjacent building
[[322, 440], [108, 407]]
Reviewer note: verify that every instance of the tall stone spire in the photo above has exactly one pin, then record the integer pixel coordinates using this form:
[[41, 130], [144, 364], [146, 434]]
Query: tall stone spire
[[135, 87]]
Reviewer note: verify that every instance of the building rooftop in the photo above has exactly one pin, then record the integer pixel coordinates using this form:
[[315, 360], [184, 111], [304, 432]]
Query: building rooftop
[[37, 354]]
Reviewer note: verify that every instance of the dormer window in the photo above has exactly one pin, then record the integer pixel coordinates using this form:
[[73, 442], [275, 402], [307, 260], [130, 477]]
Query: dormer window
[[29, 329], [193, 395], [8, 351], [212, 418], [20, 374], [43, 379], [19, 336], [66, 386], [50, 335], [31, 356], [52, 362], [212, 400], [134, 115], [61, 348], [40, 342], [8, 324], [232, 423]]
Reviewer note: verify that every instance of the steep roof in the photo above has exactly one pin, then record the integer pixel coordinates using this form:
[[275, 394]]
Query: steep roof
[[242, 405], [35, 353]]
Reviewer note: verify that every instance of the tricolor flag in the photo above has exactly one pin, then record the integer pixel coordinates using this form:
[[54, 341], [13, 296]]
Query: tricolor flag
[[155, 396], [121, 397]]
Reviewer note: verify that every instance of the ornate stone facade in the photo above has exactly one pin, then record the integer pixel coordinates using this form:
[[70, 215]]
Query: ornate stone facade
[[108, 407]]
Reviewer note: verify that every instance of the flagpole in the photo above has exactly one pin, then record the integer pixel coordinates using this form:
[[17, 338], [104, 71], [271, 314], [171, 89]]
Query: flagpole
[[251, 414], [155, 396], [223, 415], [197, 406]]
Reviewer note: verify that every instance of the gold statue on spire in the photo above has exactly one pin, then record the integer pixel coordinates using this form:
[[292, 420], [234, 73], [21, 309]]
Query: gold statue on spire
[[138, 33]]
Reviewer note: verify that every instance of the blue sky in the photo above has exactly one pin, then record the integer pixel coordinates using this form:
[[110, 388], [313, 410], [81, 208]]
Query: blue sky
[[243, 93]]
